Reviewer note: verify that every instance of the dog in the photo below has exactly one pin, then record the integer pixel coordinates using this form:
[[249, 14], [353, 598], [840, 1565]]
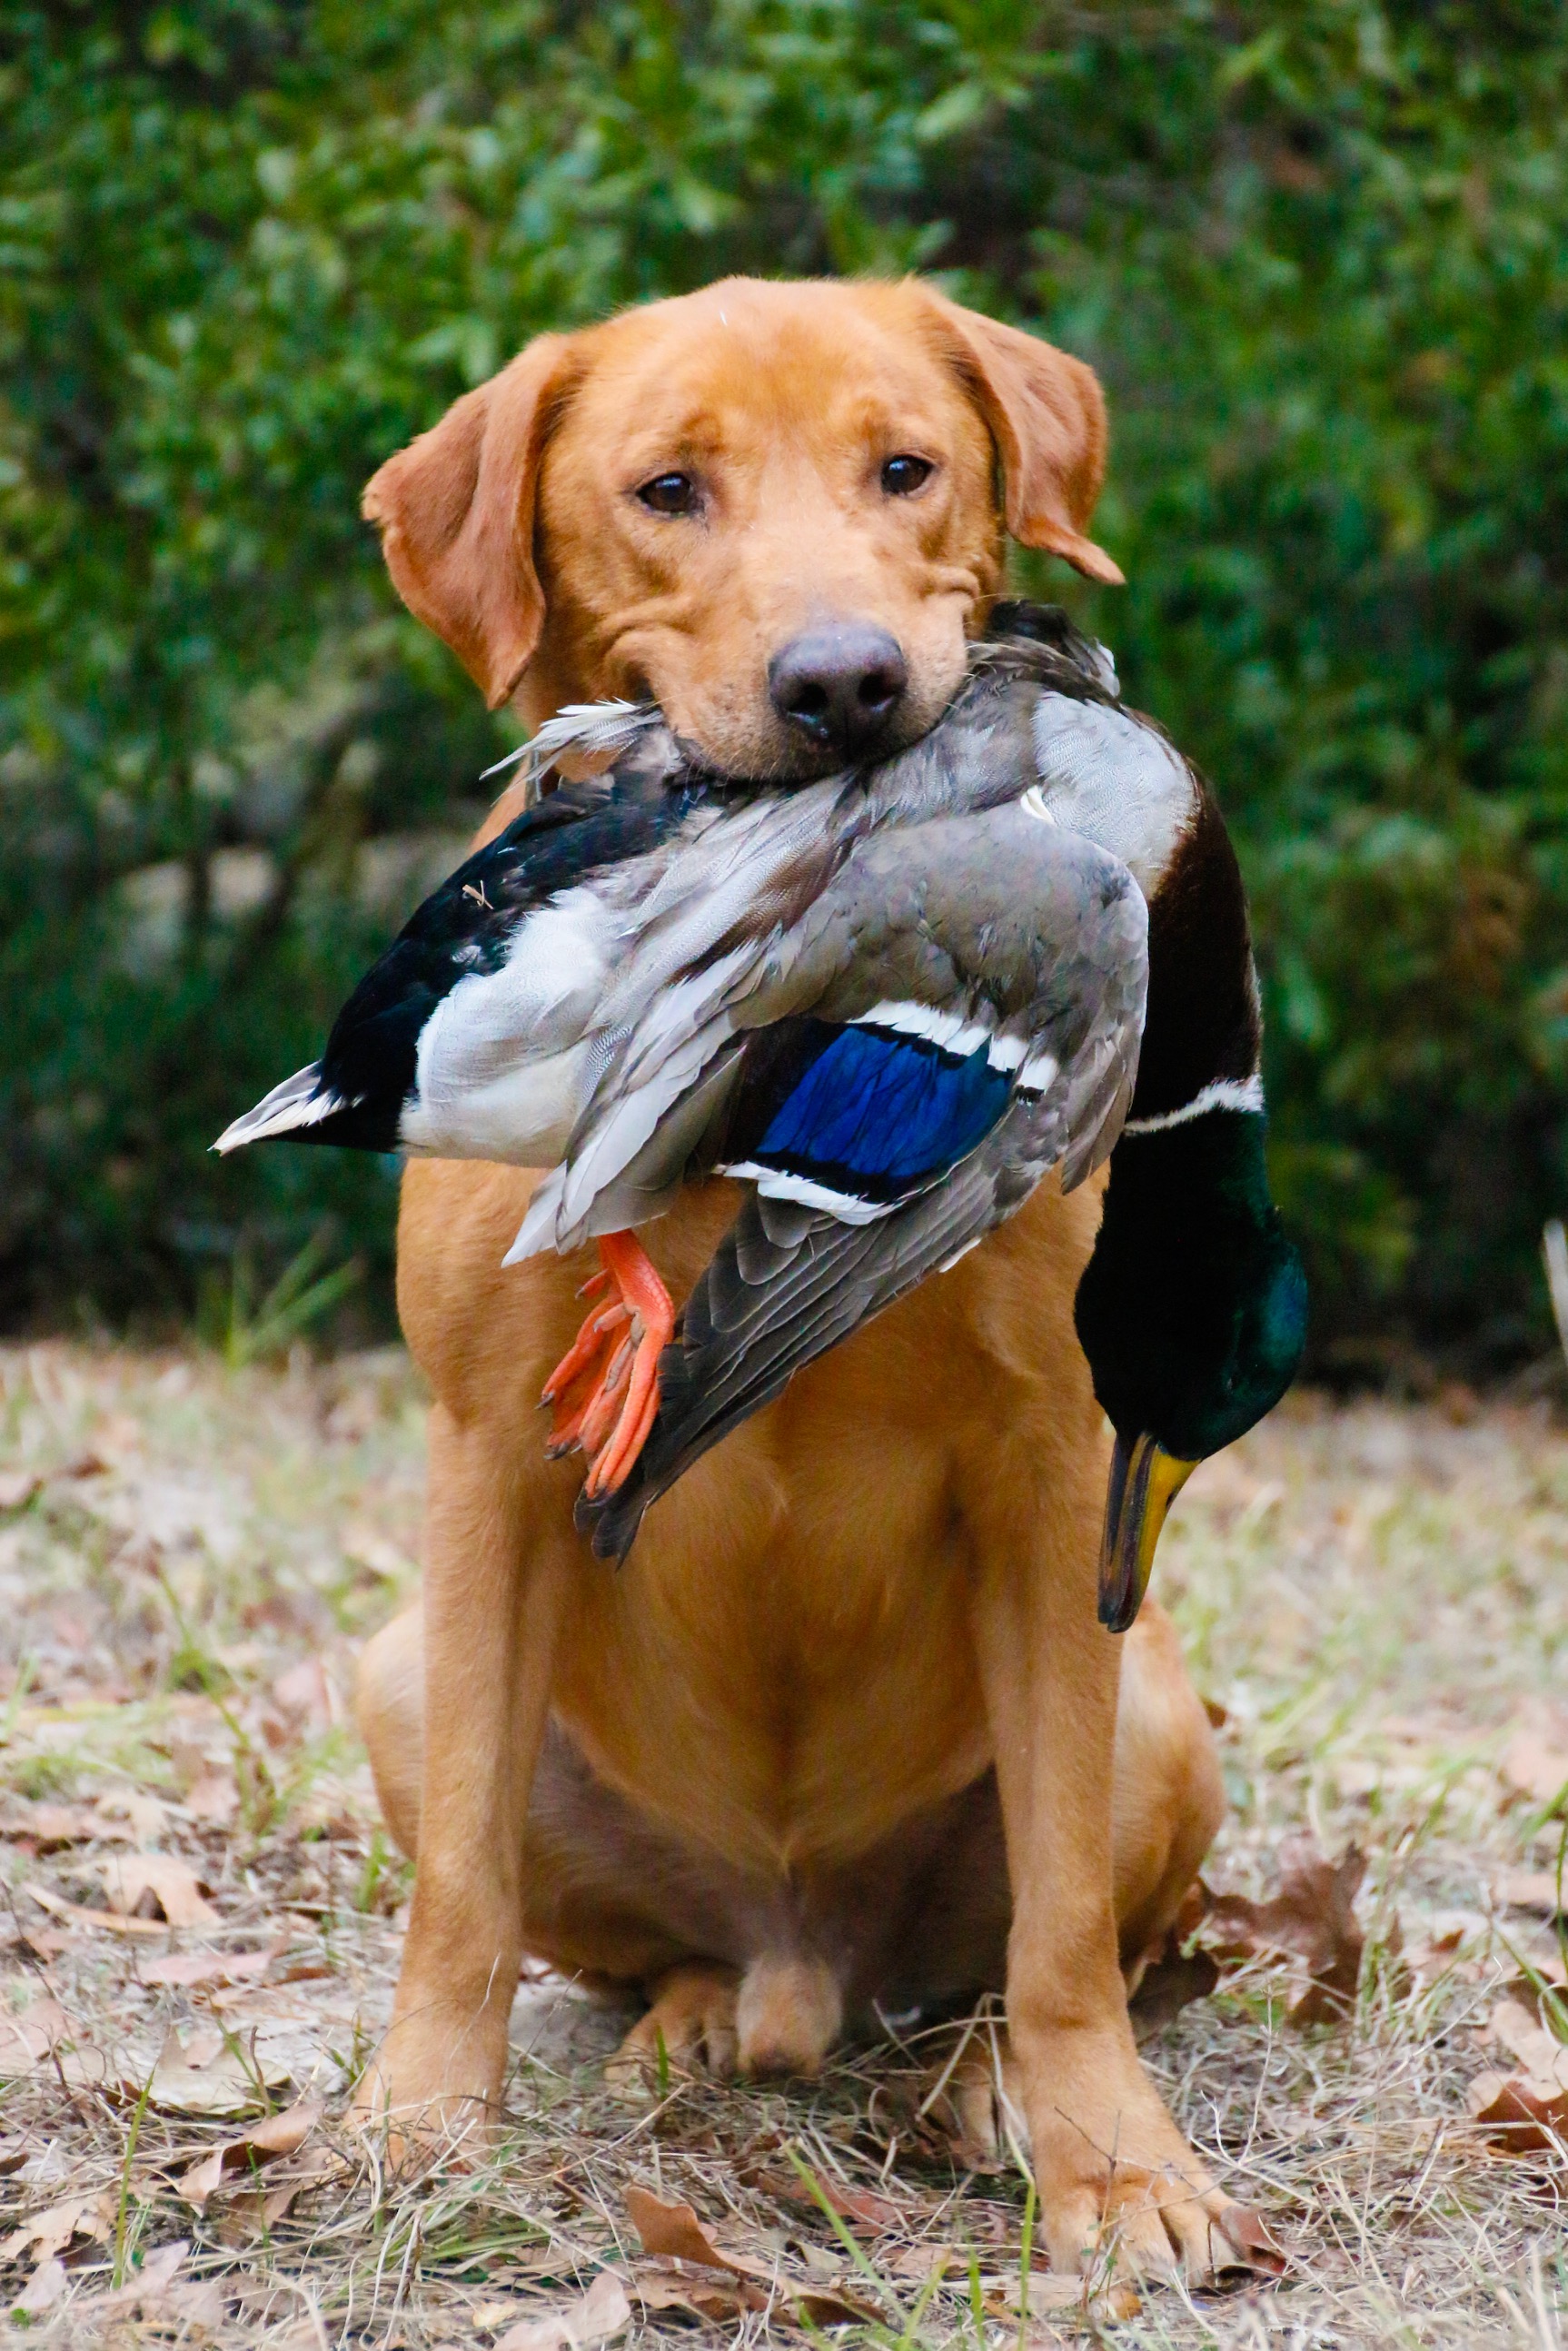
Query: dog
[[844, 1735]]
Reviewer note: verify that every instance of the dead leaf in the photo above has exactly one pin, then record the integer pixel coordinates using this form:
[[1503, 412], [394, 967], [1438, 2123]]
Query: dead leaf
[[152, 2280], [106, 1921], [1052, 2296], [130, 1879], [283, 2133], [362, 1546], [209, 2076], [674, 2232], [833, 2305], [1247, 2233], [49, 1827], [1311, 1919], [147, 1816], [43, 2289], [1524, 2115], [596, 2316], [44, 1942], [877, 2213], [1170, 1981], [189, 1968], [49, 2233], [1530, 1889], [1519, 2028], [213, 1797], [1535, 1762], [84, 1464], [1524, 2112], [27, 2039], [266, 2208], [305, 1692], [696, 2289]]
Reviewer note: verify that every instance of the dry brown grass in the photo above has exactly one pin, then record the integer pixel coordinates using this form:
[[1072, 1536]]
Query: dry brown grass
[[1375, 1596]]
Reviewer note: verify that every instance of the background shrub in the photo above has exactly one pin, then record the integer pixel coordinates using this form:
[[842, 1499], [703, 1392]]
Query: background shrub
[[1318, 251]]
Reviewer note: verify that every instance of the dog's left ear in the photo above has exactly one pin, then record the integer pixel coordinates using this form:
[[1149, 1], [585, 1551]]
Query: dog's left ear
[[1047, 416]]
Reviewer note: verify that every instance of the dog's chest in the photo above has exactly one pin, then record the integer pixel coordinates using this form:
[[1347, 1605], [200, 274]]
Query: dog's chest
[[783, 1682]]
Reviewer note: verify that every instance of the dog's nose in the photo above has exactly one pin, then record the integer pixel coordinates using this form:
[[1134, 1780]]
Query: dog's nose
[[839, 685]]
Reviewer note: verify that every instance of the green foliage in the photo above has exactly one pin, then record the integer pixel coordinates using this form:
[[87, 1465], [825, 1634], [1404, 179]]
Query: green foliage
[[1317, 249]]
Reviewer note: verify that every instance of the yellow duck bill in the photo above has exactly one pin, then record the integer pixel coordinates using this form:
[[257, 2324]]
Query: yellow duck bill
[[1145, 1481]]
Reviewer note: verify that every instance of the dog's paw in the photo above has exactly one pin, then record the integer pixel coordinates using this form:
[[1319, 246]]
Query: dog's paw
[[689, 2028], [973, 2095], [789, 2014], [1123, 2197]]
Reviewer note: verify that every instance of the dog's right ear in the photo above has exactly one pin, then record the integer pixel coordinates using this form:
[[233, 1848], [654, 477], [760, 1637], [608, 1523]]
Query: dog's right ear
[[457, 515]]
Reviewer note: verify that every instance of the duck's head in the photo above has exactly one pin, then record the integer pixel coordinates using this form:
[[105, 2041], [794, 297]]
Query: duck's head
[[1192, 1312]]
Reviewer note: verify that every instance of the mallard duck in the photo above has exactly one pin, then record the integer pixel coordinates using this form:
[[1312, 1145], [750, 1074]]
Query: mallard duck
[[889, 1002]]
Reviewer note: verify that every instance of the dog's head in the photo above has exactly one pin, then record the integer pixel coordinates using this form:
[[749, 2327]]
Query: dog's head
[[776, 509]]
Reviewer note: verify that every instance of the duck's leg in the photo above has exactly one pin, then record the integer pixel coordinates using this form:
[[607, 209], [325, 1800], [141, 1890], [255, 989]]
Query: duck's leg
[[605, 1389]]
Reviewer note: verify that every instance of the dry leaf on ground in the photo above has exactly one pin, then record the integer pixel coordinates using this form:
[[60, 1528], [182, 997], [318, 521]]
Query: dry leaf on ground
[[596, 2316], [151, 2281], [1535, 1761], [674, 2232], [77, 1914], [1541, 1890], [1524, 2112], [27, 2039], [43, 2289], [213, 1797], [1247, 2236], [689, 2270], [1054, 2296], [305, 1693], [1311, 1919], [131, 1879], [1170, 1981], [283, 2133], [49, 1827], [189, 1969], [209, 2076], [877, 2213], [695, 2290], [50, 2232]]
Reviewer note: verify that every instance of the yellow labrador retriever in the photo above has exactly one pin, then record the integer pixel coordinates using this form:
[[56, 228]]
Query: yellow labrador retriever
[[844, 1731]]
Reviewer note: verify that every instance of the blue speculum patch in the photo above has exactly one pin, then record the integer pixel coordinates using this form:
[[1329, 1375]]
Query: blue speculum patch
[[885, 1114]]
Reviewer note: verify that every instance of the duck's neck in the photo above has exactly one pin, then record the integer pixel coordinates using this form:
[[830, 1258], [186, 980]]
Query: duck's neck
[[1192, 1311]]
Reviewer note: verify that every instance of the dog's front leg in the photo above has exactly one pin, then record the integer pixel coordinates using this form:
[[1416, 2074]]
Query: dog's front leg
[[1113, 2172], [494, 1575]]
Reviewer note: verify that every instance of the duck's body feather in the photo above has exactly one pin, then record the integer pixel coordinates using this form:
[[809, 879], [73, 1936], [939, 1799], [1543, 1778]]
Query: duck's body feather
[[891, 1001]]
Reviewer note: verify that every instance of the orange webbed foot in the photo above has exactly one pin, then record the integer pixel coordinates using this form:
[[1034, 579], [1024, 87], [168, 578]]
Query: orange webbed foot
[[606, 1390]]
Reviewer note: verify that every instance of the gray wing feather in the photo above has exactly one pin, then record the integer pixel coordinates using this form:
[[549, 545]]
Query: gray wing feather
[[788, 1283]]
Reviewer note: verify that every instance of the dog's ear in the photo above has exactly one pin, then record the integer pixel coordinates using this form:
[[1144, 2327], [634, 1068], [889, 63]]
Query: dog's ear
[[1047, 416], [457, 515]]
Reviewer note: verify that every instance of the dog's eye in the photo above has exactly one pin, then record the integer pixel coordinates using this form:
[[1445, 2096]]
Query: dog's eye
[[669, 494], [900, 475]]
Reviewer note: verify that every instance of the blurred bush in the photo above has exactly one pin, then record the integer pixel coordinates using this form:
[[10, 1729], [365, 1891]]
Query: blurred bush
[[1318, 250]]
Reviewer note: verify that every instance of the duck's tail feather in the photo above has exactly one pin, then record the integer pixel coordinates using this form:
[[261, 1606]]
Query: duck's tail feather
[[303, 1099]]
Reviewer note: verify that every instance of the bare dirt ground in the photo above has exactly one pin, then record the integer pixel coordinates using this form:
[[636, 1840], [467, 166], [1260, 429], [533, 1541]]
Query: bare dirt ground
[[202, 1921]]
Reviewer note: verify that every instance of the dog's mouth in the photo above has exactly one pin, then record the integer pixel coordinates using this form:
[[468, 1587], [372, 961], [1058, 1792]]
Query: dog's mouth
[[793, 760]]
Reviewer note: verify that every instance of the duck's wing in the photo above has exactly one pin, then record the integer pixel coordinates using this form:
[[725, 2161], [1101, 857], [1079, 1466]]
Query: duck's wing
[[462, 998], [796, 1274], [703, 958]]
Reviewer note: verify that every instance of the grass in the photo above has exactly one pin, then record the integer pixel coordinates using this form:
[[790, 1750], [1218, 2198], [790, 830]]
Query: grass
[[191, 1550]]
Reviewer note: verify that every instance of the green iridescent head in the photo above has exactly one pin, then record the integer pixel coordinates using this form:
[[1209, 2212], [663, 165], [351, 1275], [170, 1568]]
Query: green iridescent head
[[1193, 1314]]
